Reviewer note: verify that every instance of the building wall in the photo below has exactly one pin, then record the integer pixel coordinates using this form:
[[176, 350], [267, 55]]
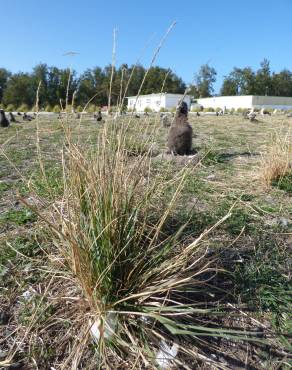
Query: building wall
[[246, 101], [156, 101], [226, 101], [275, 102], [172, 101]]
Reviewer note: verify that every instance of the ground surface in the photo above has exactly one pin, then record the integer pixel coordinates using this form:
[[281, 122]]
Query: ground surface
[[254, 243]]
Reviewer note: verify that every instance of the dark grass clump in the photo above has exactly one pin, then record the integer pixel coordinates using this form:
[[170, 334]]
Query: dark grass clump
[[283, 183]]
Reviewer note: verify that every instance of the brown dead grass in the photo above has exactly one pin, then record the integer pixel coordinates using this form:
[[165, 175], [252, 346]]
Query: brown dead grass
[[277, 161]]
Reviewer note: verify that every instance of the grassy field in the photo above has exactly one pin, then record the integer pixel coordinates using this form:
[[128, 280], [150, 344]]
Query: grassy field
[[42, 308]]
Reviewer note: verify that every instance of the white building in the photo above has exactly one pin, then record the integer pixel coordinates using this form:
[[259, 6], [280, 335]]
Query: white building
[[246, 101], [156, 101]]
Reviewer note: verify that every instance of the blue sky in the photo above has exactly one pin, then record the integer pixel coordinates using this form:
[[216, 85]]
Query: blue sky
[[225, 33]]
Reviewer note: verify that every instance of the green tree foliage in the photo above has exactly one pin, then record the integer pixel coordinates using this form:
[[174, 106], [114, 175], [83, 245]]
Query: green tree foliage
[[193, 91], [94, 83], [93, 86], [263, 79], [205, 80], [4, 76], [159, 79], [240, 81], [40, 76], [54, 86], [89, 87], [245, 81], [282, 83], [229, 87], [19, 90]]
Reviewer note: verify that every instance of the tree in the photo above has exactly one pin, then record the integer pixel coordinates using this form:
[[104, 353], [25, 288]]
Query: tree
[[205, 80], [91, 87], [57, 82], [134, 76], [239, 82], [161, 79], [40, 75], [53, 86], [282, 83], [4, 77], [263, 79], [19, 90], [247, 82], [229, 87], [193, 91], [64, 75]]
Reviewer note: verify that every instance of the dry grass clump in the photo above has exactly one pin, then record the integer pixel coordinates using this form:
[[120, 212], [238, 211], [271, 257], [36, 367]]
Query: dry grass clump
[[121, 289], [276, 163], [143, 290]]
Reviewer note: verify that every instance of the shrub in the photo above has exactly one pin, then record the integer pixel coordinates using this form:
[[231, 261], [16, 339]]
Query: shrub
[[57, 109], [269, 110], [209, 109], [68, 109], [196, 109], [91, 108], [242, 110], [113, 109], [218, 109], [48, 108], [10, 108], [23, 108], [79, 109], [148, 110]]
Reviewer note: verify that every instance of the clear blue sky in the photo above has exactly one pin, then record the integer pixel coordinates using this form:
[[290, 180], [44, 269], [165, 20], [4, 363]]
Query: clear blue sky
[[225, 33]]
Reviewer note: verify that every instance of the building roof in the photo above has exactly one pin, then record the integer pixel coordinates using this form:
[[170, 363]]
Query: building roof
[[242, 96], [154, 94]]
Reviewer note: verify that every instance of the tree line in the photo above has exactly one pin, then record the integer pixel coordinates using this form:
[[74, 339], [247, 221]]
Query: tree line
[[245, 81], [93, 86]]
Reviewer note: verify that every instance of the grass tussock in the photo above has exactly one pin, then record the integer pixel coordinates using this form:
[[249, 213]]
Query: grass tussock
[[276, 164], [143, 289], [129, 283]]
